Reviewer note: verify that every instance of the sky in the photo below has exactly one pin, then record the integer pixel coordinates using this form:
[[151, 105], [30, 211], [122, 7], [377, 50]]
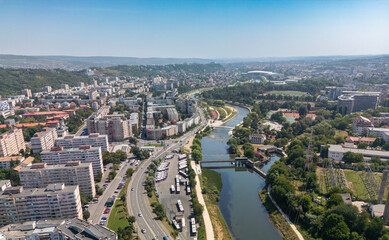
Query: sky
[[199, 29]]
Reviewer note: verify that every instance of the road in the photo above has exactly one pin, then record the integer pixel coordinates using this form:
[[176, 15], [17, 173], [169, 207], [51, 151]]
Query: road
[[138, 200], [97, 209]]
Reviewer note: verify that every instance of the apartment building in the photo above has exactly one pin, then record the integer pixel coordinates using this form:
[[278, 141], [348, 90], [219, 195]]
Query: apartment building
[[84, 154], [43, 140], [93, 139], [116, 127], [40, 175], [12, 142], [257, 138], [56, 201], [8, 162]]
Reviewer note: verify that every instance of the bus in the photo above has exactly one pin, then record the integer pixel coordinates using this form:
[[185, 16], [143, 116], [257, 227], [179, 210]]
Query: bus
[[172, 189]]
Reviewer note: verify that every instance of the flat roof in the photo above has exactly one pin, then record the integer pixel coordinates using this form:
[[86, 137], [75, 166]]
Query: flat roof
[[365, 152]]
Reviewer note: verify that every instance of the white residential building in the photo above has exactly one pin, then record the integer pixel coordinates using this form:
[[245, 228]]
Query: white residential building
[[84, 154], [93, 139], [43, 140]]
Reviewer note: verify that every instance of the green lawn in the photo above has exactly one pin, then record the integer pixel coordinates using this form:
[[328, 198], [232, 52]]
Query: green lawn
[[119, 212], [213, 178], [357, 184], [154, 145]]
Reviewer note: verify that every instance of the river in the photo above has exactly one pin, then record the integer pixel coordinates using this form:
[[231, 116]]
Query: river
[[239, 203]]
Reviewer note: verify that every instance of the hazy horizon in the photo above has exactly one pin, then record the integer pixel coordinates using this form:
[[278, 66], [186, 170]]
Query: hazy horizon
[[194, 29]]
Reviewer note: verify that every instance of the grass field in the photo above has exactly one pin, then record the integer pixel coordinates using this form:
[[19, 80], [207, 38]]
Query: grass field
[[211, 181], [356, 184], [288, 93], [119, 212]]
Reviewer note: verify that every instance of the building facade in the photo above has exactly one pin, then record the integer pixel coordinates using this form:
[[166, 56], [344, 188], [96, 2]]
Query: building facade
[[43, 140], [56, 201], [93, 139], [40, 175], [12, 142], [84, 154]]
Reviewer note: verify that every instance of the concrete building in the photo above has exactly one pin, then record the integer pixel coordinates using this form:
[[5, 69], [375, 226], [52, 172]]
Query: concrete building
[[257, 138], [93, 139], [336, 152], [27, 92], [47, 89], [39, 175], [4, 184], [12, 142], [93, 95], [76, 229], [134, 117], [4, 105], [43, 140], [172, 114], [56, 201], [351, 101], [65, 86], [116, 127], [364, 127], [8, 162], [84, 154]]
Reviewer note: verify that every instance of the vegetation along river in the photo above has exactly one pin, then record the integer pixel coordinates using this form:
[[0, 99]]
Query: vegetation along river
[[239, 204]]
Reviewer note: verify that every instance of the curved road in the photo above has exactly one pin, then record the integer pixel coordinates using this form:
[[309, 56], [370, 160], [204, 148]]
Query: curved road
[[138, 200]]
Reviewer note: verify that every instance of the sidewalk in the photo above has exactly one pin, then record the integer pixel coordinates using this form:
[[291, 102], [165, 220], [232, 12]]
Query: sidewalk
[[207, 220], [285, 216]]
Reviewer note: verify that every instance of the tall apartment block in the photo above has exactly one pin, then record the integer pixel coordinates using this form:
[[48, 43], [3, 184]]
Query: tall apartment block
[[116, 127], [11, 142], [73, 141], [43, 140], [27, 92], [56, 201], [40, 175], [84, 154]]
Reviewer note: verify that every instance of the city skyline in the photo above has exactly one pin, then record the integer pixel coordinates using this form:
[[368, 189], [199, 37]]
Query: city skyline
[[201, 29]]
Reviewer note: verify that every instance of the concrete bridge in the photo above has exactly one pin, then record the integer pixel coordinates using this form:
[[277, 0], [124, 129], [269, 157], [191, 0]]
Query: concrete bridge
[[224, 127], [238, 161]]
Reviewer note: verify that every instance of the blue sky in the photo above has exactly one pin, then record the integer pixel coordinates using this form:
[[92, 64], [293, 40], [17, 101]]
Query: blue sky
[[186, 28]]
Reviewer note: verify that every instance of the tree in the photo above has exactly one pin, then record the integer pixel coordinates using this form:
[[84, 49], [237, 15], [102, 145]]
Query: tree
[[197, 155], [99, 190], [123, 198], [129, 172], [334, 200], [99, 176], [303, 111], [375, 228], [107, 157], [112, 175], [86, 215], [120, 155], [334, 228], [350, 157], [362, 145], [133, 140], [386, 146]]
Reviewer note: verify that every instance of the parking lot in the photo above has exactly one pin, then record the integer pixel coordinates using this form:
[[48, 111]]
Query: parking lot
[[169, 199]]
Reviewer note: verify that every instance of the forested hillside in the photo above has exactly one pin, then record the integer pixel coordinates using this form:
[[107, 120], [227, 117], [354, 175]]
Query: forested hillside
[[12, 81]]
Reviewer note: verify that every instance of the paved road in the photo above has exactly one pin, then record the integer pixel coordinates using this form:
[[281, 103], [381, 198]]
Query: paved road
[[138, 201], [97, 209]]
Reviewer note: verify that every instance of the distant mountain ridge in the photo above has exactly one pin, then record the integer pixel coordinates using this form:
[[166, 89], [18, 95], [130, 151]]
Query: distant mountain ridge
[[79, 63]]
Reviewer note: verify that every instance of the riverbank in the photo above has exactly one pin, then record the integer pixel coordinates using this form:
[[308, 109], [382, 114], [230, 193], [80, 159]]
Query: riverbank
[[277, 218], [211, 184]]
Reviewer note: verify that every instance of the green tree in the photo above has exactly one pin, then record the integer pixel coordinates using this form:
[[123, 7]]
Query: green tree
[[350, 157], [362, 145], [375, 228], [129, 172], [86, 215], [334, 228], [334, 200]]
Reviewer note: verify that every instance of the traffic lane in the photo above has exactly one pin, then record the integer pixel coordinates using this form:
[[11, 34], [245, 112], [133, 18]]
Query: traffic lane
[[108, 192]]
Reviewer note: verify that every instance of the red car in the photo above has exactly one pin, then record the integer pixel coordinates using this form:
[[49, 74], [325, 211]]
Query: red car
[[106, 211]]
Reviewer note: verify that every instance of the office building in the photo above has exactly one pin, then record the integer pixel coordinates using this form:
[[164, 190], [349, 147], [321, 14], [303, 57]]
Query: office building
[[12, 142], [39, 175], [43, 140], [56, 201], [93, 139]]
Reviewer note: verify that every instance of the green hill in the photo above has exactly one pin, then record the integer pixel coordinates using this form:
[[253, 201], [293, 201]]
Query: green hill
[[12, 81]]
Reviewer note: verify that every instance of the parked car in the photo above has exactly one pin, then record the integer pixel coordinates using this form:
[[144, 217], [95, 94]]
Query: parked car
[[106, 211]]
